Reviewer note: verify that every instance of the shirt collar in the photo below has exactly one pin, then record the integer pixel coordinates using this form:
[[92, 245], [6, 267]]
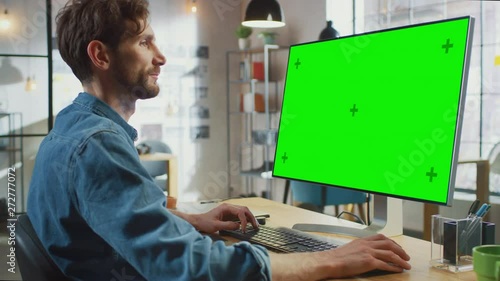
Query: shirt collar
[[102, 109]]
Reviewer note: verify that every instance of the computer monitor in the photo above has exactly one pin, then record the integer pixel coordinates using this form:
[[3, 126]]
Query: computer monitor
[[379, 112]]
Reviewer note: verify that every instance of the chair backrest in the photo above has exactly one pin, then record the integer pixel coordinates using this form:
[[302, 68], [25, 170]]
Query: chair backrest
[[35, 263], [311, 193], [156, 168], [494, 159]]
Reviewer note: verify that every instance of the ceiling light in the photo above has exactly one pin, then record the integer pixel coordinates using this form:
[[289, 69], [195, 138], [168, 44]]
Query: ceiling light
[[194, 8], [264, 14], [4, 20], [30, 84]]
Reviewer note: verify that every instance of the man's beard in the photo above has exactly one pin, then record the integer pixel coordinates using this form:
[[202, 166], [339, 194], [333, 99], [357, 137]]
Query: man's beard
[[136, 83]]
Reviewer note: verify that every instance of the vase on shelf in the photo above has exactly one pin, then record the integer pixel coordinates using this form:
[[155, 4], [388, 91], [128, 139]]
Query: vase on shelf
[[329, 32], [244, 43], [268, 38]]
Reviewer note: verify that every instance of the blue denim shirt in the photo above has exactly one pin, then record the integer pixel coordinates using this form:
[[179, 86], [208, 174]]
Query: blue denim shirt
[[101, 217]]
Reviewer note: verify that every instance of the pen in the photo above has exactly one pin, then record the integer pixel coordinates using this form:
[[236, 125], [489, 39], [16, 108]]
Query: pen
[[209, 202], [489, 206], [474, 223], [481, 210], [486, 210], [473, 208], [473, 213], [263, 216]]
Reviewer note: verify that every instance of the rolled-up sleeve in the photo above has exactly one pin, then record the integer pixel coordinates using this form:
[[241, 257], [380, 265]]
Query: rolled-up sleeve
[[121, 203], [251, 262]]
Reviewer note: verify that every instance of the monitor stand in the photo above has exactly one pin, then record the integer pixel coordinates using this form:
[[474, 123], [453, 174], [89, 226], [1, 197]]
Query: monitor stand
[[387, 219]]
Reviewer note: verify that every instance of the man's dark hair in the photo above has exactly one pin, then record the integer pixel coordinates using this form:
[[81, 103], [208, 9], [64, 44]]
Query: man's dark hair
[[81, 21]]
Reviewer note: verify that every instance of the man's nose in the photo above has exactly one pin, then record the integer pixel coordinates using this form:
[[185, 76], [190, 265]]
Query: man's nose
[[159, 58]]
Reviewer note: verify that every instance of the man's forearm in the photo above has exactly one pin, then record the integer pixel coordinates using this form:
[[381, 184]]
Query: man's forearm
[[299, 266], [191, 218]]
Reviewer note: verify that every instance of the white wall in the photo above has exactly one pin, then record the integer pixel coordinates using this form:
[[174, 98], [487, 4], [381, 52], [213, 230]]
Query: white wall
[[202, 162]]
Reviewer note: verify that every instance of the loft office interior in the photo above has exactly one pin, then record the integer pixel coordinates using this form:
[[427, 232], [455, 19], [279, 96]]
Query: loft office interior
[[200, 113]]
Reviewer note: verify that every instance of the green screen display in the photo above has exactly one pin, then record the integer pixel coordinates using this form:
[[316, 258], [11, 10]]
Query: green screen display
[[378, 112]]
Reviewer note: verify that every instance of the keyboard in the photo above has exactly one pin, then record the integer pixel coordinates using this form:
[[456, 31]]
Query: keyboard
[[282, 239]]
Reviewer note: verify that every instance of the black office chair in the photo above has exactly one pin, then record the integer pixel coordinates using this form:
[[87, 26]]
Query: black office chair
[[315, 197], [35, 263]]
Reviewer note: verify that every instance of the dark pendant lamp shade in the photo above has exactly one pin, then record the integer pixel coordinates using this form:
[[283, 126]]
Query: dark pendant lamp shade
[[264, 14], [9, 74]]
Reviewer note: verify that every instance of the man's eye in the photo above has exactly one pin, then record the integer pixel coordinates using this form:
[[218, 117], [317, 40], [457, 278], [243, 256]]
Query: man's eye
[[144, 43]]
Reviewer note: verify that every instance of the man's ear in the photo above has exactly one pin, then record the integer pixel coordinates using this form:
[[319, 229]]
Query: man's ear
[[98, 54]]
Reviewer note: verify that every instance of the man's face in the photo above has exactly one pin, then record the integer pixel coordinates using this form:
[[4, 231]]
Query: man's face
[[136, 64]]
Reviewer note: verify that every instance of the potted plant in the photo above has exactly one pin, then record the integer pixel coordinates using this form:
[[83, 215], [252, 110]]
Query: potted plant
[[268, 37], [243, 32]]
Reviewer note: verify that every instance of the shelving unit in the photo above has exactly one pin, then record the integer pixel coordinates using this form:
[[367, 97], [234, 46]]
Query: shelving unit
[[251, 133]]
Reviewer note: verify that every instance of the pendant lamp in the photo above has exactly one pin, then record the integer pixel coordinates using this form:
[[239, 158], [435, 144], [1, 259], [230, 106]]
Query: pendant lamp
[[264, 14], [9, 74], [5, 21]]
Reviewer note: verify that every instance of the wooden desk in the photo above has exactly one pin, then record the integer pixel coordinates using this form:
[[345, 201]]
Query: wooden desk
[[419, 250], [172, 169]]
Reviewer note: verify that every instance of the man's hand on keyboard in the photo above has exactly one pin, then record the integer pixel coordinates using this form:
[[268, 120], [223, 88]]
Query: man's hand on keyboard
[[225, 216], [359, 256]]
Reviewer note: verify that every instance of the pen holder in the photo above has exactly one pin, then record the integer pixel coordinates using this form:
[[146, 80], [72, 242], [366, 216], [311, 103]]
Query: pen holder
[[452, 242]]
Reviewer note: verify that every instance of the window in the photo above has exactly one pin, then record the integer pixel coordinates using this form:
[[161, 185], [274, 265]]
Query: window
[[480, 131]]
